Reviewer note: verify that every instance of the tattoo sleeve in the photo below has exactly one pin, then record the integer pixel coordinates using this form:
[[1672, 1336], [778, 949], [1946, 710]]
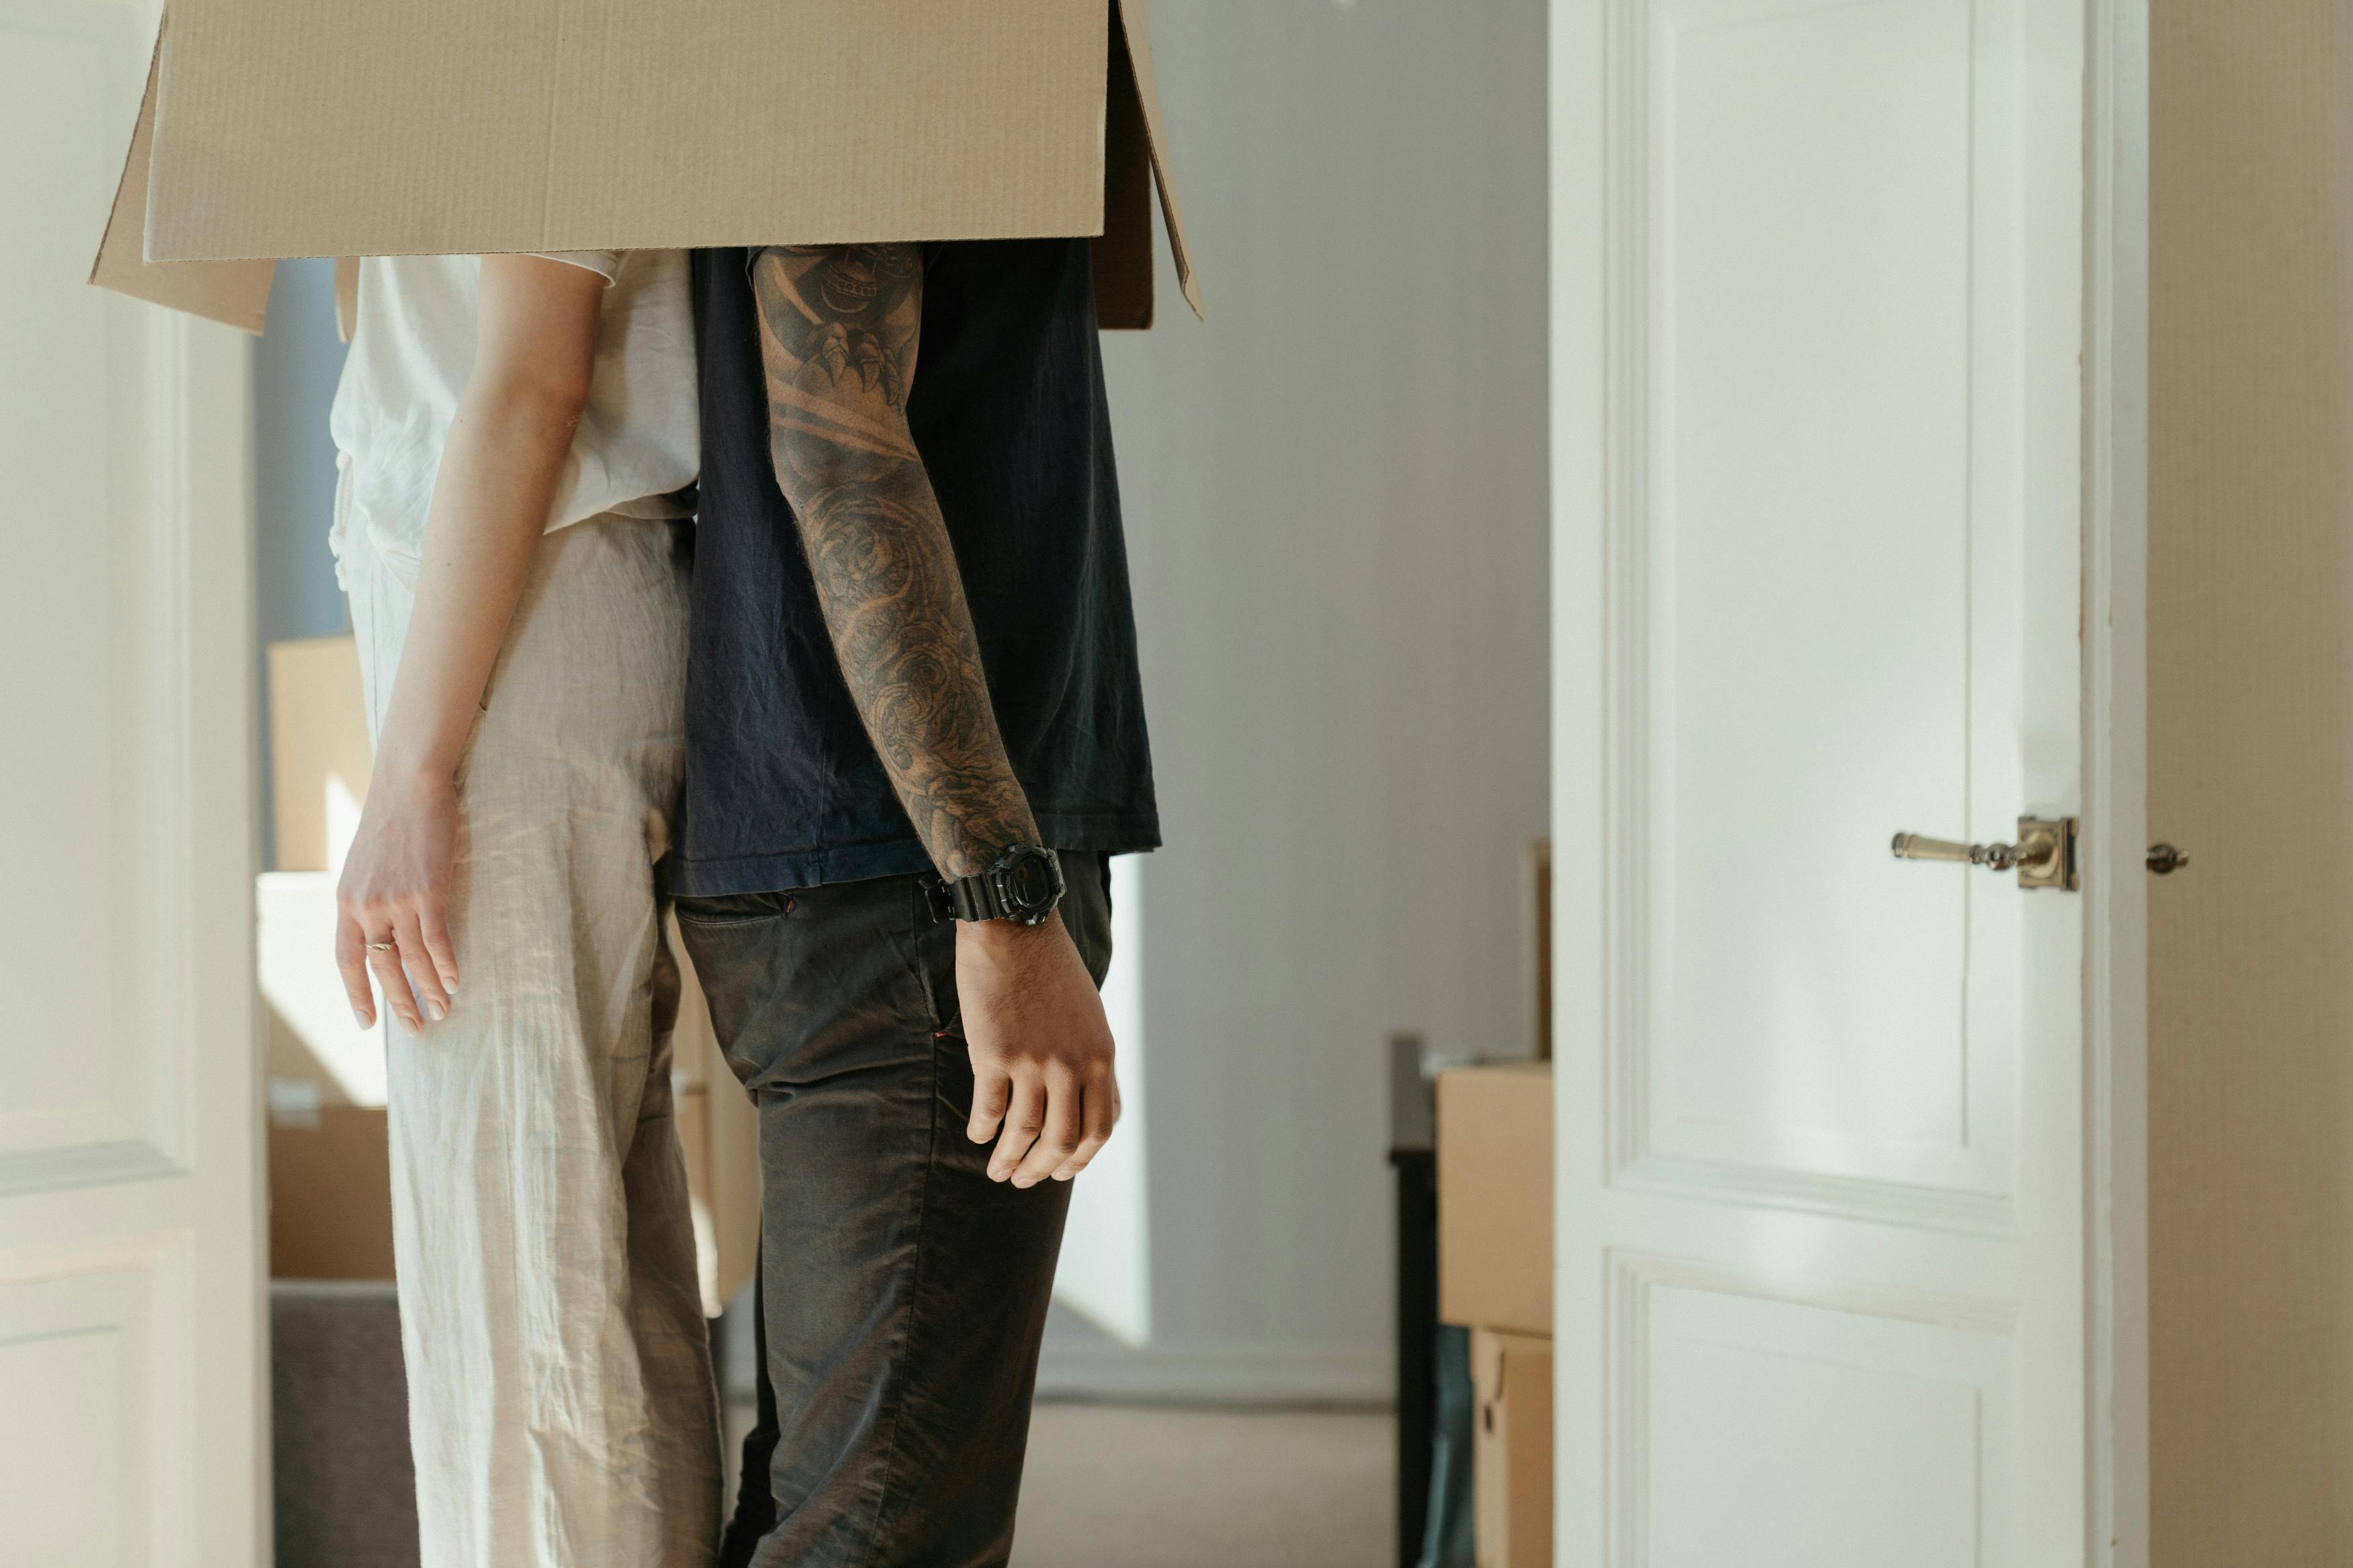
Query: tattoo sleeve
[[839, 329]]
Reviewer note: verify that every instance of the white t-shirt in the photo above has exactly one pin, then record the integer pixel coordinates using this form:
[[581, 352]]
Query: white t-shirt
[[638, 449]]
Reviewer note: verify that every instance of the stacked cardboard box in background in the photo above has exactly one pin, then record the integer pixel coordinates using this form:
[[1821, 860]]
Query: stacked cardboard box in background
[[1494, 1278]]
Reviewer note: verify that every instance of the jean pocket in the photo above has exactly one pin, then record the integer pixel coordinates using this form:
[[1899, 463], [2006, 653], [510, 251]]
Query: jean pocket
[[735, 908]]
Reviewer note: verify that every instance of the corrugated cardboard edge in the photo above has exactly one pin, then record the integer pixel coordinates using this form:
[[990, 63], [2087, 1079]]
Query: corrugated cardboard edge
[[236, 293], [1135, 28]]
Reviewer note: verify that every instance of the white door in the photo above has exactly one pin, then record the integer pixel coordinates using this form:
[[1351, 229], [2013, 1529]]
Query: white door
[[133, 1406], [1831, 1287]]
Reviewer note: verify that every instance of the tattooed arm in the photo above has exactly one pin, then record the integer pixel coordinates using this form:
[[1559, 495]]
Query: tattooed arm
[[839, 328]]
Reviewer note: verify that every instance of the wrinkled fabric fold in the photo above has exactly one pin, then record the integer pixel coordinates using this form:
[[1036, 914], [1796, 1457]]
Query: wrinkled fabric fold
[[562, 1408]]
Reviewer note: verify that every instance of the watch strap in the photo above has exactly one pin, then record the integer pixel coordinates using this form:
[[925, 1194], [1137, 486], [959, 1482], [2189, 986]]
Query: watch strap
[[989, 896]]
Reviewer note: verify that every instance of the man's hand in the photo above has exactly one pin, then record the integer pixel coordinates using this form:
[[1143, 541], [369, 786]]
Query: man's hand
[[1041, 1050]]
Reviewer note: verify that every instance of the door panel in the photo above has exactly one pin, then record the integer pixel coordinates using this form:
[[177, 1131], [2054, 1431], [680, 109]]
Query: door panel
[[1780, 1434], [1827, 475], [129, 1273], [57, 95], [1818, 406]]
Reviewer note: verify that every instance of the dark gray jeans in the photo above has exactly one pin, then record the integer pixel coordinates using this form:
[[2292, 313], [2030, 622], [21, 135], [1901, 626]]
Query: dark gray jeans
[[902, 1293]]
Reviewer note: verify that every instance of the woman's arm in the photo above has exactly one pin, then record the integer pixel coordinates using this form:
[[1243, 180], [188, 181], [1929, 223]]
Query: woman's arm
[[536, 349]]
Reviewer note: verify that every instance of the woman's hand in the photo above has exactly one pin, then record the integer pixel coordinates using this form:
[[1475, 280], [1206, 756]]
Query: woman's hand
[[395, 892]]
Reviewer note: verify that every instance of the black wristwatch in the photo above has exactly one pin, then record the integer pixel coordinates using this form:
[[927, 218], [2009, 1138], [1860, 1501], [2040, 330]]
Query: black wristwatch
[[1023, 885]]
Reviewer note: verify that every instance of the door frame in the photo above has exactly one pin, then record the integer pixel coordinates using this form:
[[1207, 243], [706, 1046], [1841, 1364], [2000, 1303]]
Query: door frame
[[2115, 717], [2116, 779], [202, 407]]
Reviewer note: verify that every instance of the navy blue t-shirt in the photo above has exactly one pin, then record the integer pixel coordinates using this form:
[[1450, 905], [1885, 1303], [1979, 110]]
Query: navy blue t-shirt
[[783, 787]]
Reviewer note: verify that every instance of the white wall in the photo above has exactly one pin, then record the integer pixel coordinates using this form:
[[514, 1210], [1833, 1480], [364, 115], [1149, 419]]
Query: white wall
[[1335, 508]]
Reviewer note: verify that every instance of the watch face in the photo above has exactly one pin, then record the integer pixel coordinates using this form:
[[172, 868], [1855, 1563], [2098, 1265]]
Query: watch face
[[1029, 882]]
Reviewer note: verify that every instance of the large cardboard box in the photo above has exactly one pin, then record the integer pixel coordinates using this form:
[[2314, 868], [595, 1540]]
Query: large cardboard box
[[282, 128], [1512, 1450], [1495, 1197]]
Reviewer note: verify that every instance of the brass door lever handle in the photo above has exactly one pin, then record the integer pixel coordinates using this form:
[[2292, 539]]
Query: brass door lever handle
[[2043, 857], [1920, 846]]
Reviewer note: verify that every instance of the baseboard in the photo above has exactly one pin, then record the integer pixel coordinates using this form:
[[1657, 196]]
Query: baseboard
[[1286, 1375]]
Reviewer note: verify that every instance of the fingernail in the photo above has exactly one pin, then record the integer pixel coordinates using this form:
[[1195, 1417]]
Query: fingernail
[[433, 1011], [362, 1019], [451, 985], [1025, 1182]]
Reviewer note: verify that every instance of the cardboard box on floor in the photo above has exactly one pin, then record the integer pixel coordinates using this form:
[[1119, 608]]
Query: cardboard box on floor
[[1494, 1277], [1495, 1197], [1512, 1450], [281, 128]]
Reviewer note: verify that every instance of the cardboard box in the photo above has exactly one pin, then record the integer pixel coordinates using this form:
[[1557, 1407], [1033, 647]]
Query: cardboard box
[[1495, 1197], [320, 757], [1512, 1450], [330, 1194], [277, 128]]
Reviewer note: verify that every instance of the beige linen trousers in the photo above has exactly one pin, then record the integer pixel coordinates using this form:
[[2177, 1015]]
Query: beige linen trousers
[[561, 1404]]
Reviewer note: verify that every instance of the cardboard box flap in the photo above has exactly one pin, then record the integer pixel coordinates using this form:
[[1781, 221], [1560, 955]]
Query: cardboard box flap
[[1135, 20], [1122, 258], [234, 292]]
